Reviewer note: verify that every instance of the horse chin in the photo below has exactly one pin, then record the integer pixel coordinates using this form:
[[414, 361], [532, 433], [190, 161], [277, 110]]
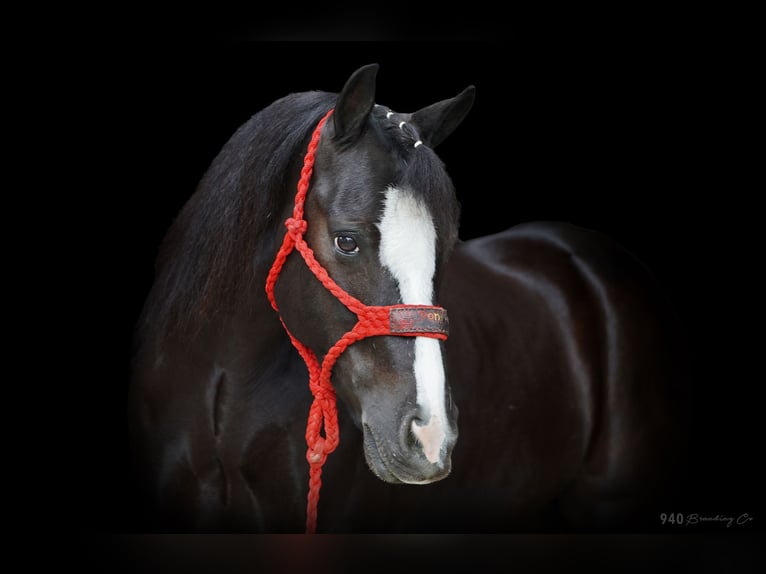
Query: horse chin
[[386, 467], [376, 463]]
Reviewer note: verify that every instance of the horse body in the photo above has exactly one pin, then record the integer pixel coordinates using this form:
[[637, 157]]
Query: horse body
[[561, 356], [576, 355]]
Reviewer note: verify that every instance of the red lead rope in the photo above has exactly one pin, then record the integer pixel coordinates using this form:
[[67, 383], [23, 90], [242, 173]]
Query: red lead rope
[[400, 320]]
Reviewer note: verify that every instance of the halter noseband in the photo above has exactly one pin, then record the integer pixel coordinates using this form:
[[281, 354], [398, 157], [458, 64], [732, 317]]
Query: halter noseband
[[399, 320]]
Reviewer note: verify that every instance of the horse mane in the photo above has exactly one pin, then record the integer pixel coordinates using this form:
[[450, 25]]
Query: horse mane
[[210, 255]]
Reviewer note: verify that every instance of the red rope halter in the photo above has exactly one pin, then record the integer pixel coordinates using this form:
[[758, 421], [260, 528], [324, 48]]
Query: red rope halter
[[400, 320]]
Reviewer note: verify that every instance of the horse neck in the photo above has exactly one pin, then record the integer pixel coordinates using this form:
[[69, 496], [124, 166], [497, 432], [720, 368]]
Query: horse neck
[[249, 334], [243, 335], [209, 295]]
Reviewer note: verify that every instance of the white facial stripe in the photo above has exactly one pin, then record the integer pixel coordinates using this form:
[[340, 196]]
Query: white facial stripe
[[408, 246], [408, 251], [429, 378]]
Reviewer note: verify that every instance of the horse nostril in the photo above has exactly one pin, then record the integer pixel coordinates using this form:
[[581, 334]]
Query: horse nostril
[[409, 440], [417, 420]]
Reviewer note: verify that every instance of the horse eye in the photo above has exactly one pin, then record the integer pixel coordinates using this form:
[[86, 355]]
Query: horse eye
[[346, 244]]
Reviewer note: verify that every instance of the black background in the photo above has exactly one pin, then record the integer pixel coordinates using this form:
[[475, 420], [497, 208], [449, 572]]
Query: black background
[[633, 126]]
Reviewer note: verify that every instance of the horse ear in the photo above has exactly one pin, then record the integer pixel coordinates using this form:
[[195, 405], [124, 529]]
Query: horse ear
[[437, 121], [355, 102]]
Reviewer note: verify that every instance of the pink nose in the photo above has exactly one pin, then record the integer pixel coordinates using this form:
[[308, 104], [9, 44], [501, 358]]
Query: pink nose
[[431, 437]]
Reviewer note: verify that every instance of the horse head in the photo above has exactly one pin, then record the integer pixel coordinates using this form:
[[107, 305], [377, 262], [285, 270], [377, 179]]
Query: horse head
[[381, 219]]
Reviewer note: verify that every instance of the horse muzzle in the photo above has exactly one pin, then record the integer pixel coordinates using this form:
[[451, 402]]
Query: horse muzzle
[[416, 453]]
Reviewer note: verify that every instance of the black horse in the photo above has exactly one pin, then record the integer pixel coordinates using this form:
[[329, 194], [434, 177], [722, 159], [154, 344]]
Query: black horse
[[563, 356]]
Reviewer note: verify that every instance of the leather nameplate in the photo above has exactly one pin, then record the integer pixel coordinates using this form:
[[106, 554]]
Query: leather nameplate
[[419, 320]]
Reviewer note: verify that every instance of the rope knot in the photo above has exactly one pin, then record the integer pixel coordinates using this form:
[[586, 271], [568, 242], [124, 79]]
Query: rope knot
[[296, 227], [316, 454]]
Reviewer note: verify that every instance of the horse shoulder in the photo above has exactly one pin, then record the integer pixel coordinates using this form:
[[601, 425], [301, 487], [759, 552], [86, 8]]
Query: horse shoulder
[[212, 415]]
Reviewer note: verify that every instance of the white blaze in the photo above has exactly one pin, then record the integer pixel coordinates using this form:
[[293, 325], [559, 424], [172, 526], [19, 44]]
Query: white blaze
[[408, 250]]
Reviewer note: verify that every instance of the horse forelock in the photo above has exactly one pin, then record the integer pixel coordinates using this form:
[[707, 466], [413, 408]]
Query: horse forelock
[[224, 235], [423, 173], [428, 178]]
